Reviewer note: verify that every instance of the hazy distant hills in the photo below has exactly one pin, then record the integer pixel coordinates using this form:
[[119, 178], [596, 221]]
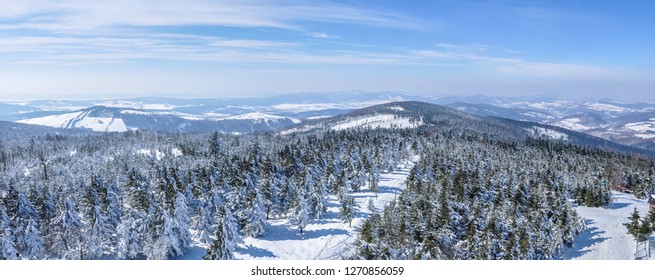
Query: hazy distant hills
[[109, 119], [623, 122], [626, 123]]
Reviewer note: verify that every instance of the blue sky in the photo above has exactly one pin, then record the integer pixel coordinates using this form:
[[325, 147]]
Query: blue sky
[[202, 48]]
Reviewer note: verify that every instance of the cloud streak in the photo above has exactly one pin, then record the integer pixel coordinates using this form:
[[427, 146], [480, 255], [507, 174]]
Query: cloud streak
[[177, 47], [81, 16]]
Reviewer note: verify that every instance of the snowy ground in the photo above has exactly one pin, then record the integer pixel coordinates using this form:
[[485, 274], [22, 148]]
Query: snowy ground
[[606, 238], [323, 239]]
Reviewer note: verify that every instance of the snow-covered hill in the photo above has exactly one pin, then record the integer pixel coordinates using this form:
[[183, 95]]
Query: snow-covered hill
[[623, 122], [80, 119], [110, 119], [377, 121]]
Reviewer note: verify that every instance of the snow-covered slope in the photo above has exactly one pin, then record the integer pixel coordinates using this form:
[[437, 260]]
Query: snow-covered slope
[[645, 129], [255, 116], [323, 239], [606, 238], [378, 121], [541, 132], [80, 119]]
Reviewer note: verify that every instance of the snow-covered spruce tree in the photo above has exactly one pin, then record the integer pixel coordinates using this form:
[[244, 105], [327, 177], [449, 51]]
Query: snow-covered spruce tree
[[69, 231], [204, 222], [98, 230], [97, 234], [300, 212], [225, 238], [129, 243], [7, 238], [369, 242], [634, 224], [9, 251], [182, 224], [169, 240], [317, 195], [26, 213], [33, 246], [348, 208], [255, 216], [114, 204], [373, 180], [231, 227], [219, 250]]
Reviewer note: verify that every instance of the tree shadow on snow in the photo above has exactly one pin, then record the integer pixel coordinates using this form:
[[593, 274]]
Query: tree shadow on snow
[[255, 252], [386, 189], [586, 239], [195, 253], [283, 232], [617, 205]]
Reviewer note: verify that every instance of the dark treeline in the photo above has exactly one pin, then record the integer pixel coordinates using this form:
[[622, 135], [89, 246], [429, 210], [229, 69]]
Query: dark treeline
[[141, 195]]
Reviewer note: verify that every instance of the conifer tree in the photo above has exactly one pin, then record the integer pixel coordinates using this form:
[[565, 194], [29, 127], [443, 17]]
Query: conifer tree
[[182, 224], [633, 225], [7, 238], [255, 221], [300, 213], [348, 209], [218, 249], [129, 242], [33, 242]]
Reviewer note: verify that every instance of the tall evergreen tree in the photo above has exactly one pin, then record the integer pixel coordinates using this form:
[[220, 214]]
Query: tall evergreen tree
[[348, 209], [33, 247], [7, 238], [181, 225], [300, 213], [129, 242]]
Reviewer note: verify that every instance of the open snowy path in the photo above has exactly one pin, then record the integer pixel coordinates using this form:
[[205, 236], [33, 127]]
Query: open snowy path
[[326, 238], [606, 238]]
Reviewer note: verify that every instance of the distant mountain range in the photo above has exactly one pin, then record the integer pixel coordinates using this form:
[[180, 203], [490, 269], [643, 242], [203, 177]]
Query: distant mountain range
[[432, 118], [622, 122], [626, 123]]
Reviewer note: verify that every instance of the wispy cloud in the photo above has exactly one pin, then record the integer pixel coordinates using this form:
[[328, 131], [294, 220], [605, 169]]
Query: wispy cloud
[[502, 61], [178, 47], [76, 16], [322, 35]]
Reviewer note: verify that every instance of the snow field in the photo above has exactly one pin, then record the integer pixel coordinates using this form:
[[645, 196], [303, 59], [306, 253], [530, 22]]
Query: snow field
[[606, 238], [377, 121], [548, 133], [572, 124], [79, 120]]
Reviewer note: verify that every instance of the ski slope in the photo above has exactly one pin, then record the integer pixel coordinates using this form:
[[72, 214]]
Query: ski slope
[[327, 238], [606, 238]]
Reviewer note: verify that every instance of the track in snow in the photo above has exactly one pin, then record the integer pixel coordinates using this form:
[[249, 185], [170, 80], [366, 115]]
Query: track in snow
[[606, 238]]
